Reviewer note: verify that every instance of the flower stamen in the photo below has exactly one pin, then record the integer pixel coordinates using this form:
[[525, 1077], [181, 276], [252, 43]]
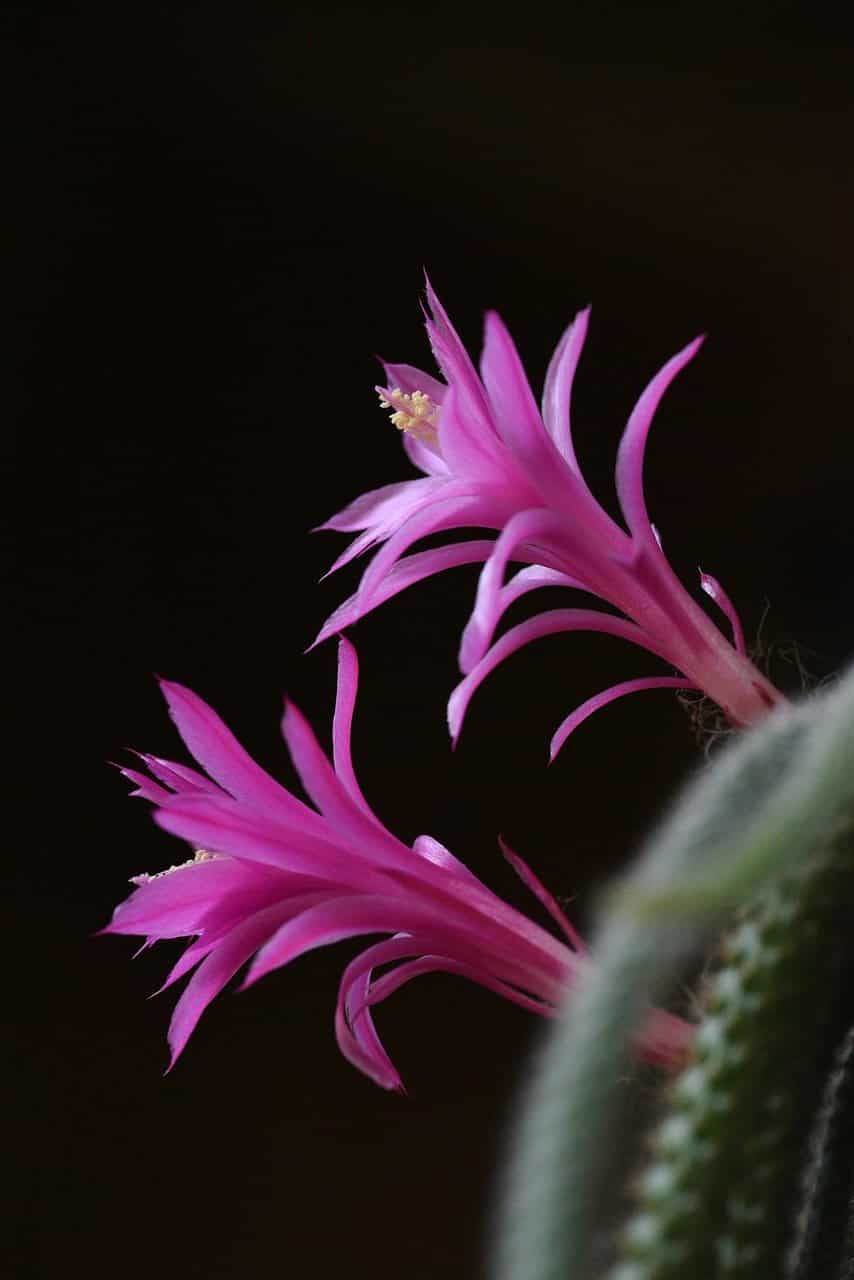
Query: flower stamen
[[201, 855], [416, 413]]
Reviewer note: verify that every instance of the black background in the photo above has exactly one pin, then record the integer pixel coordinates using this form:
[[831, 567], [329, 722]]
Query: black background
[[225, 211]]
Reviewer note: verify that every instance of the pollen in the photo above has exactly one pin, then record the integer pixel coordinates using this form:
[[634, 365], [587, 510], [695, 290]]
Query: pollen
[[201, 855], [415, 413]]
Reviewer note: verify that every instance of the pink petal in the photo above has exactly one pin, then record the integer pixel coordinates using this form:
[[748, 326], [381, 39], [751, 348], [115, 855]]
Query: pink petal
[[342, 725], [525, 526], [145, 788], [713, 588], [630, 456], [357, 1037], [405, 573], [329, 922], [384, 507], [361, 1045], [531, 579], [217, 750], [471, 448], [424, 456], [408, 379], [190, 957], [468, 919], [355, 915], [539, 890], [175, 904], [576, 717], [518, 417], [414, 496], [452, 357], [224, 826], [557, 392], [216, 970], [464, 507], [328, 792], [433, 851], [179, 777], [544, 624], [233, 912], [385, 986]]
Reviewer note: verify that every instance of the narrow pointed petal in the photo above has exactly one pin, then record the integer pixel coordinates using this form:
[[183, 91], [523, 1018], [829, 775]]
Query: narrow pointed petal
[[225, 826], [145, 788], [580, 714], [557, 393], [217, 750], [506, 382], [216, 970], [232, 911], [469, 445], [401, 947], [342, 725], [358, 547], [452, 357], [409, 379], [189, 958], [356, 1035], [358, 1039], [405, 573], [382, 508], [460, 910], [179, 777], [174, 904], [544, 624], [426, 457], [713, 588], [518, 418], [326, 789], [450, 512], [630, 456], [480, 628], [533, 578], [385, 986], [414, 496], [433, 851], [347, 917], [539, 890]]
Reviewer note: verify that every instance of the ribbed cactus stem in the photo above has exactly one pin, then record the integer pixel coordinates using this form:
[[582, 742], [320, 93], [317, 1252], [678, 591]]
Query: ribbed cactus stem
[[823, 1245], [770, 823], [720, 1198]]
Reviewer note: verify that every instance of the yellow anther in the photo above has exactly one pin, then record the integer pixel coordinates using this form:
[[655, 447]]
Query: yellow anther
[[415, 413]]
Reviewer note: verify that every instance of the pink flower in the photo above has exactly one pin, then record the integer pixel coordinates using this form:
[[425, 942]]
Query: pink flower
[[272, 878], [492, 459]]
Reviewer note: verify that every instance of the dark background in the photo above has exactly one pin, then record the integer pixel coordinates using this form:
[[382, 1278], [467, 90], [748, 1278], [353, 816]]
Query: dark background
[[224, 212]]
